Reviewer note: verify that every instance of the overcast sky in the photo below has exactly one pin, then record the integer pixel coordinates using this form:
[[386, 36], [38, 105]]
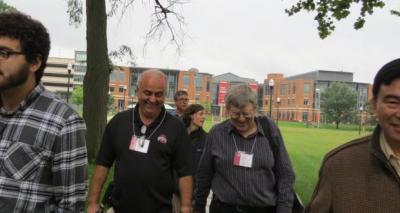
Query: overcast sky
[[248, 38]]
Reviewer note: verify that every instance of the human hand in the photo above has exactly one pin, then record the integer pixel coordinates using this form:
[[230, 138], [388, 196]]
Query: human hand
[[186, 209], [93, 208]]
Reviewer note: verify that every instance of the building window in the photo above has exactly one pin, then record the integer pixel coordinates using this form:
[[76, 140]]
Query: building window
[[305, 116], [121, 75], [197, 98], [121, 89], [111, 89], [208, 85], [307, 88], [294, 88], [305, 102], [185, 81], [171, 86], [283, 90], [135, 76], [198, 82], [120, 105], [112, 76]]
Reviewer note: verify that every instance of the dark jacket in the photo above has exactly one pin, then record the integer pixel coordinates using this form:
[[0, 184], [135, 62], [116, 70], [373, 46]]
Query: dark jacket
[[198, 138], [357, 177]]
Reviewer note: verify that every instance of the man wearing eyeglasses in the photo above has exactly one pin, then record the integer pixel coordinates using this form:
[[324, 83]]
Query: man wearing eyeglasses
[[239, 165], [147, 144], [42, 140], [181, 102]]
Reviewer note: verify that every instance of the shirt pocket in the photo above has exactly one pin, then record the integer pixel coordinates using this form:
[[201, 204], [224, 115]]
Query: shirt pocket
[[23, 161]]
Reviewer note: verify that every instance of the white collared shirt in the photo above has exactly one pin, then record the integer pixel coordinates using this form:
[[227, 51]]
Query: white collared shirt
[[389, 154]]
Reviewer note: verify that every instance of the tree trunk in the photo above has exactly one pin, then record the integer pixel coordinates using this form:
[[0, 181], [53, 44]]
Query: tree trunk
[[337, 124], [97, 75]]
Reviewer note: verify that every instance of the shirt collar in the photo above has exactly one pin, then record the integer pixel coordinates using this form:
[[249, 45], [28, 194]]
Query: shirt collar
[[155, 122], [231, 128], [386, 149], [35, 93]]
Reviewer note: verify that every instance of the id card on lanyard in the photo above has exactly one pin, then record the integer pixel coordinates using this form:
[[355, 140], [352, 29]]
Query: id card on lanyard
[[242, 158], [141, 143]]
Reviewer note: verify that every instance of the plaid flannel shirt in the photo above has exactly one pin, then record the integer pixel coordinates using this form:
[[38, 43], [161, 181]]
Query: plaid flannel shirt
[[43, 157]]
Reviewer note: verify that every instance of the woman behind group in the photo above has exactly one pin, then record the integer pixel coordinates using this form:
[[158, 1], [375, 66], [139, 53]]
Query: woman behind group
[[193, 118]]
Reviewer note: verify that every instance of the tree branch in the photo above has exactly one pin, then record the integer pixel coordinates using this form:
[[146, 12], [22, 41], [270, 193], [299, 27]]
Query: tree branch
[[330, 10], [75, 12]]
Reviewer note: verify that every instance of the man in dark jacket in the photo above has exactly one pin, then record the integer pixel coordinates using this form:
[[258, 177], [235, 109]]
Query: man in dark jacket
[[363, 175]]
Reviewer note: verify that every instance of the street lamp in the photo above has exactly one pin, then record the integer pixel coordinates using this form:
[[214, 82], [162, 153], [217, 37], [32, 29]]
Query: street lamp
[[317, 92], [124, 88], [271, 89], [359, 127], [69, 69], [278, 100]]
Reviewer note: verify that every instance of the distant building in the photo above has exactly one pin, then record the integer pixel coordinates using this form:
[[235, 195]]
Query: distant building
[[220, 86], [197, 84], [57, 78], [123, 85], [79, 67], [294, 98], [299, 95]]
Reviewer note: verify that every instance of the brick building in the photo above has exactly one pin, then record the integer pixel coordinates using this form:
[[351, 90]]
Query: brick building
[[297, 98]]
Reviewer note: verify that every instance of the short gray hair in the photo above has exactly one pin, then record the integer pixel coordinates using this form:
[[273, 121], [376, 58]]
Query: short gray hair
[[239, 96]]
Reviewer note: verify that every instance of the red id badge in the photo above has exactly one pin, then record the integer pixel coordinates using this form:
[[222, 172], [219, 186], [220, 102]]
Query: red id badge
[[236, 159], [132, 145], [243, 159]]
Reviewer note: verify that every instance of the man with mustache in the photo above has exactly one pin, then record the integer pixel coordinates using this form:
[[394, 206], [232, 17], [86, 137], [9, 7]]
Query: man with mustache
[[147, 144], [364, 175], [43, 161]]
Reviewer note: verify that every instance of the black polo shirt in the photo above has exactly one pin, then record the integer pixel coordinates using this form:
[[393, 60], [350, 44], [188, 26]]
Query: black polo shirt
[[144, 180]]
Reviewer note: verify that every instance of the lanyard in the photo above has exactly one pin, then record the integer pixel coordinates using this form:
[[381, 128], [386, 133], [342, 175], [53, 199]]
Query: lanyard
[[144, 127], [252, 147]]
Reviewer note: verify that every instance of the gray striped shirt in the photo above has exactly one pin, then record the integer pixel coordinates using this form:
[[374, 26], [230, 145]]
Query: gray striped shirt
[[266, 183]]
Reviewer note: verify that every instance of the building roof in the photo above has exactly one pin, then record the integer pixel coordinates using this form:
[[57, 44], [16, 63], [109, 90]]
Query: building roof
[[230, 77], [324, 75]]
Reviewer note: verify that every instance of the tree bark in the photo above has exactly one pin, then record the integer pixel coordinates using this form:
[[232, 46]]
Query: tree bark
[[97, 75]]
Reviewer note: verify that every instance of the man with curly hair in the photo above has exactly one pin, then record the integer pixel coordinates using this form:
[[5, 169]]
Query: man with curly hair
[[43, 156]]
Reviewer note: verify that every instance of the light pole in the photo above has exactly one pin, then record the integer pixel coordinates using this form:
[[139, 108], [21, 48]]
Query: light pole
[[359, 127], [271, 89], [278, 100], [317, 92], [69, 69], [123, 107]]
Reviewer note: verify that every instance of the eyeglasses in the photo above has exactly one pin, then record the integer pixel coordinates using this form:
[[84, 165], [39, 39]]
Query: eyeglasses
[[183, 99], [236, 115], [5, 53]]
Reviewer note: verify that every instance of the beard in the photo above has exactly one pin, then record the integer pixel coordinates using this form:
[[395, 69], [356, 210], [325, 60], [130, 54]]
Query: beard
[[15, 79]]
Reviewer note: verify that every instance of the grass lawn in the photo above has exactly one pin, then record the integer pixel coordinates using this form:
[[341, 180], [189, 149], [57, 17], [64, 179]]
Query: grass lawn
[[306, 146]]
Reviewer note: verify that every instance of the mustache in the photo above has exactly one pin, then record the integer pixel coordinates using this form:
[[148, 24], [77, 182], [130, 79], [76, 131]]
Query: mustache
[[153, 104]]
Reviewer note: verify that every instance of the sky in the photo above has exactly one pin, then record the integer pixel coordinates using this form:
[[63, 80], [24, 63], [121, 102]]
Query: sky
[[250, 39]]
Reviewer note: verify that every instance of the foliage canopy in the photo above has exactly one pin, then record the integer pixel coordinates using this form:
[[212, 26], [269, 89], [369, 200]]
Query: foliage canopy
[[338, 103], [329, 11]]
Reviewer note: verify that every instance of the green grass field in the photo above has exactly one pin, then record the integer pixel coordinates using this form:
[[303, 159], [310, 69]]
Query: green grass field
[[307, 147]]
